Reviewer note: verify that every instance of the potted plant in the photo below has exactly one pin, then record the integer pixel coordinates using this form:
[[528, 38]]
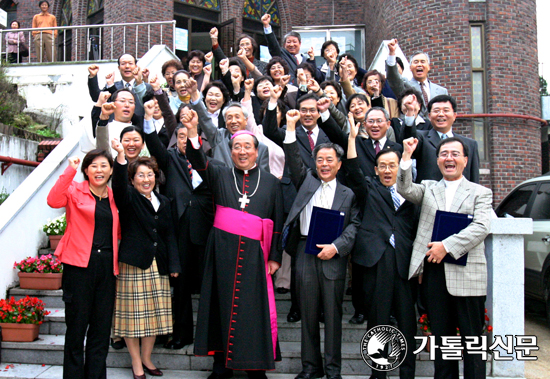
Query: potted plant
[[20, 320], [43, 273], [55, 229]]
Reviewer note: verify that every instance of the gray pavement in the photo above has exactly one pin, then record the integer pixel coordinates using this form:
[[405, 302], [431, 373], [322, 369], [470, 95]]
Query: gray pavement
[[536, 324]]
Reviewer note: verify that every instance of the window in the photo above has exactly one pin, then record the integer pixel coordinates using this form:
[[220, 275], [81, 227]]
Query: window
[[350, 39], [515, 205], [94, 6], [541, 205], [66, 13], [477, 44], [210, 4], [254, 10]]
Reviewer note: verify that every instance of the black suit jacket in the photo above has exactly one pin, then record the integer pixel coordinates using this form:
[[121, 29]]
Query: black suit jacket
[[277, 135], [398, 126], [307, 183], [93, 88], [365, 150], [146, 233], [426, 159], [195, 204], [276, 51], [380, 220]]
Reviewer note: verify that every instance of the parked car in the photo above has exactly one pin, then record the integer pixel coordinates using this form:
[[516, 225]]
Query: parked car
[[532, 199]]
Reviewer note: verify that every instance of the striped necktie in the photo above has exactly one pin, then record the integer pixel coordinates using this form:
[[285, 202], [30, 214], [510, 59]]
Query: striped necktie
[[396, 204]]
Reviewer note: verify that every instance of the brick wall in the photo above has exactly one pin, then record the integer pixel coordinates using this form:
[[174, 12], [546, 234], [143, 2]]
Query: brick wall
[[441, 28]]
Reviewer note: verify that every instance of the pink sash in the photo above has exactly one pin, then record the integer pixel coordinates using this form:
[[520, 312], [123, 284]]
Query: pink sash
[[244, 224]]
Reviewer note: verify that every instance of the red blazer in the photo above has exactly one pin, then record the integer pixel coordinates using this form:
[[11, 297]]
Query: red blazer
[[76, 245]]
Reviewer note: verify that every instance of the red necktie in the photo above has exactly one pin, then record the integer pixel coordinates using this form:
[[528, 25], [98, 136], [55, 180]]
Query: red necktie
[[311, 143], [376, 147], [424, 94]]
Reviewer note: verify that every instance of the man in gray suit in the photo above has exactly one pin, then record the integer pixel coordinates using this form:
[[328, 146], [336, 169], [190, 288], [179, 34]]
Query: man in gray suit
[[235, 117], [321, 277], [420, 67], [455, 295]]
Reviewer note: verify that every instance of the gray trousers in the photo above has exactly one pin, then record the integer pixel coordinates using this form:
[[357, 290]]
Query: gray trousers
[[312, 286]]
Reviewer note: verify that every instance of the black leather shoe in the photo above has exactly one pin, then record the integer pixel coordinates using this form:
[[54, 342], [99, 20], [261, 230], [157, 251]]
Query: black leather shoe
[[153, 372], [282, 290], [117, 345], [177, 343], [310, 375], [138, 376], [357, 319], [294, 316], [335, 377], [215, 375]]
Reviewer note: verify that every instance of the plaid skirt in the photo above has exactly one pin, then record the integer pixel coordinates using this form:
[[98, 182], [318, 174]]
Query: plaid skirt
[[143, 305]]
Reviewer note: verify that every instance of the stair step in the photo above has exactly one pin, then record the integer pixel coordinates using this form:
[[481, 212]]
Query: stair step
[[30, 371], [53, 299], [49, 349], [288, 332]]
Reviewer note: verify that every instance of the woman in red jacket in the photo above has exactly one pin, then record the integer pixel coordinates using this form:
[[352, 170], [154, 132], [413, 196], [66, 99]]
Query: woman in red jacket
[[89, 252]]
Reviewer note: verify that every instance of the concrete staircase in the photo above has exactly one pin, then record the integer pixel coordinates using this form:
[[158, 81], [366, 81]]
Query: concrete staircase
[[48, 349]]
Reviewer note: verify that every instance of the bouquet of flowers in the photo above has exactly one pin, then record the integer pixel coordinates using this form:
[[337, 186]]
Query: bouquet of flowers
[[29, 310], [56, 227], [46, 264]]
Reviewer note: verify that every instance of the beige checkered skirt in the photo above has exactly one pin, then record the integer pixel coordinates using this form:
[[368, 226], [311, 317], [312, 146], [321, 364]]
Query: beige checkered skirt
[[143, 304]]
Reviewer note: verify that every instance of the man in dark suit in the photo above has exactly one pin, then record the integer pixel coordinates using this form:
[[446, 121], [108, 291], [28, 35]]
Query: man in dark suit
[[442, 112], [308, 136], [126, 66], [383, 247], [377, 123], [292, 42], [320, 278], [193, 215]]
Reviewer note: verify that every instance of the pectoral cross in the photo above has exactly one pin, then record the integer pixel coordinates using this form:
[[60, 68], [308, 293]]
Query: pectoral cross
[[244, 200]]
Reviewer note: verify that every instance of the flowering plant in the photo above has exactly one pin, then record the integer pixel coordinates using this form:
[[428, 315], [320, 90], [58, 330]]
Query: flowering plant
[[56, 227], [29, 310], [46, 264], [487, 328], [424, 323]]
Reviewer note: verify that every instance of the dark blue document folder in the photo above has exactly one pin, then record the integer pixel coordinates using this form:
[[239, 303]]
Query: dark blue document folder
[[325, 226], [446, 224]]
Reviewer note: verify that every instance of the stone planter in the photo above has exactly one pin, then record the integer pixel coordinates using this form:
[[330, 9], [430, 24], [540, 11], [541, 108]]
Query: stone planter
[[39, 281], [54, 241], [19, 332]]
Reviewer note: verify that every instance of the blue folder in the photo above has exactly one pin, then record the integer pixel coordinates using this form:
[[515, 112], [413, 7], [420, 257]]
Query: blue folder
[[325, 226], [446, 224]]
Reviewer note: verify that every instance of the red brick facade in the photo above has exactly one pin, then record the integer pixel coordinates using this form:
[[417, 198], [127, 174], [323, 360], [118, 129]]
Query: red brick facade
[[439, 27]]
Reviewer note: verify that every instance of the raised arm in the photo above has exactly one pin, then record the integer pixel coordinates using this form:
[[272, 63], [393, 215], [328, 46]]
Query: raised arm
[[396, 82], [355, 176], [154, 144], [405, 186], [269, 124], [59, 194], [298, 169], [170, 121], [272, 43]]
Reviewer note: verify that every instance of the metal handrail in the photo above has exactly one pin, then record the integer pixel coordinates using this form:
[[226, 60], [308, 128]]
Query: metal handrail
[[101, 27], [8, 161], [505, 115]]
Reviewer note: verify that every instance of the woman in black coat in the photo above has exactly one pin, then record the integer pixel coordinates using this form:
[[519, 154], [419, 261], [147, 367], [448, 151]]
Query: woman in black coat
[[147, 254]]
